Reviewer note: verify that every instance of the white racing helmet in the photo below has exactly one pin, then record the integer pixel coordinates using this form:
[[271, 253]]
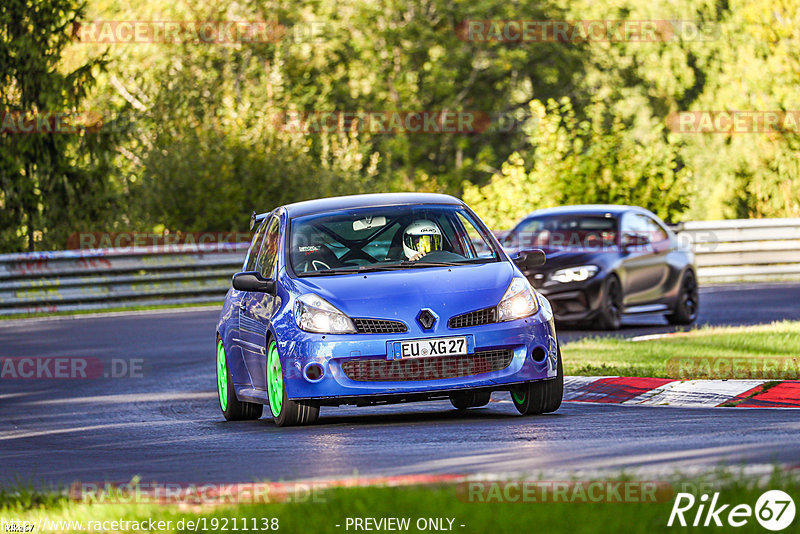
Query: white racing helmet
[[421, 236]]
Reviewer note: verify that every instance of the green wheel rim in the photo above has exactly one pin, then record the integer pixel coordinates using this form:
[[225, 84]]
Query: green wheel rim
[[222, 376], [274, 380], [518, 396]]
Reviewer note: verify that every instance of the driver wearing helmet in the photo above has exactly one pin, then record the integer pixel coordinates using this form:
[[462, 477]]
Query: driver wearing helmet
[[420, 238]]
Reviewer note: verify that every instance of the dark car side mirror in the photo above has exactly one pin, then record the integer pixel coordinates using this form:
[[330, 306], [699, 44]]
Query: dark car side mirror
[[253, 281], [631, 240], [527, 259]]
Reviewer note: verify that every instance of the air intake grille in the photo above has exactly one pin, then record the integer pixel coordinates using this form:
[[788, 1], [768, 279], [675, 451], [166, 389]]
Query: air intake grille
[[434, 368], [476, 318], [379, 326]]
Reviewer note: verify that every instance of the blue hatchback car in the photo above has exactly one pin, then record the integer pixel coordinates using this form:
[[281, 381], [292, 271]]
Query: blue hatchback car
[[375, 299]]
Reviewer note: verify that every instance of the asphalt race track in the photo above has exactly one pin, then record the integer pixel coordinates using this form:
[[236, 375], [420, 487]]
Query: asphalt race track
[[164, 422]]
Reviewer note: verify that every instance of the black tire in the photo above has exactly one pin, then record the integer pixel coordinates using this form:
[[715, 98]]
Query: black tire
[[470, 399], [289, 412], [542, 396], [232, 408], [688, 304], [295, 413], [610, 316]]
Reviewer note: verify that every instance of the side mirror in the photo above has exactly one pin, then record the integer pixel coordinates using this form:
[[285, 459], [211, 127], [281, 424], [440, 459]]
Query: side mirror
[[632, 240], [253, 281], [527, 259]]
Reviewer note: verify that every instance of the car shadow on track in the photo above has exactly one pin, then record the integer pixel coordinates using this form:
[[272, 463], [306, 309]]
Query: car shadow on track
[[444, 416]]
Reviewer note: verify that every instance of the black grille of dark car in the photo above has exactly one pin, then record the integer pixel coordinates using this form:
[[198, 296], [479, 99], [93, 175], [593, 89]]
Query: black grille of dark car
[[379, 326], [475, 318], [433, 368]]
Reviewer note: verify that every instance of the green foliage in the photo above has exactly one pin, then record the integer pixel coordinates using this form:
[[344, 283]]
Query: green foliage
[[51, 184], [573, 161], [200, 101], [193, 138]]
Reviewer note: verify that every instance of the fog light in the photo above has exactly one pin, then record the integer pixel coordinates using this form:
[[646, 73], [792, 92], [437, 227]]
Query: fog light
[[313, 372], [538, 354]]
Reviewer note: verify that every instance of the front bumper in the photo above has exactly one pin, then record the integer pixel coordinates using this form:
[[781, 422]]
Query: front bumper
[[522, 337], [573, 302]]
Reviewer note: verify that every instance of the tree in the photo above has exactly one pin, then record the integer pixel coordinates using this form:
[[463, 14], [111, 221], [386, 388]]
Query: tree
[[52, 183], [594, 161]]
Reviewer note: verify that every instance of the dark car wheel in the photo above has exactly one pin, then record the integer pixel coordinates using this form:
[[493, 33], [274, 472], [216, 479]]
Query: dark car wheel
[[285, 412], [542, 396], [685, 310], [610, 315], [470, 399], [232, 408]]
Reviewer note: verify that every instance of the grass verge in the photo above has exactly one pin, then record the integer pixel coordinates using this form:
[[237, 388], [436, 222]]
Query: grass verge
[[770, 351], [572, 511], [117, 309]]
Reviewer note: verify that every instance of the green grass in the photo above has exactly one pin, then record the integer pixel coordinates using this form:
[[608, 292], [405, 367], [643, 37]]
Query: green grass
[[770, 351], [333, 507], [110, 310]]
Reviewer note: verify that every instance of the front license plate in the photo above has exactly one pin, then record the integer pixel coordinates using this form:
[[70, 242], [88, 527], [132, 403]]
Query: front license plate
[[422, 348]]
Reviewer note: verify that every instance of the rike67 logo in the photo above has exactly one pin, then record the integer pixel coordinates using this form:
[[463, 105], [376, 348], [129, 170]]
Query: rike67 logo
[[774, 510]]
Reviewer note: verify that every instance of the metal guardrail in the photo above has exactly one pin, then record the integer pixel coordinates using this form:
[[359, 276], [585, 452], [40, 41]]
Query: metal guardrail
[[62, 281], [744, 250], [73, 280]]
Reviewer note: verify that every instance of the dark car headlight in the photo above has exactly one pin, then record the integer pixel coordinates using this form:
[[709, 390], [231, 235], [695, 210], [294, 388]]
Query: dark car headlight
[[574, 274], [313, 313]]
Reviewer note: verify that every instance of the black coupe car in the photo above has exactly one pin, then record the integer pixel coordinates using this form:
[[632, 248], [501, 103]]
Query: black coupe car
[[607, 261]]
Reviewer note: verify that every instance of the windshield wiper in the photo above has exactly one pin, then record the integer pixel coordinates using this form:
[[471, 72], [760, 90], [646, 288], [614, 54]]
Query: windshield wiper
[[421, 263], [393, 266], [345, 270]]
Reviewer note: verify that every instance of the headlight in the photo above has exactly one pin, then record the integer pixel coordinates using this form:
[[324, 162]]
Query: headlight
[[574, 274], [312, 313], [518, 302]]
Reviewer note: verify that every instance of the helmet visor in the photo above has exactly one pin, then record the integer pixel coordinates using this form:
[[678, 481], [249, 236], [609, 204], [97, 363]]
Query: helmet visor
[[424, 243]]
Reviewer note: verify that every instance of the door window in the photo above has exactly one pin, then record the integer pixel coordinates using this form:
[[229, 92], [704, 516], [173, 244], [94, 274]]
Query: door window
[[252, 253], [269, 249]]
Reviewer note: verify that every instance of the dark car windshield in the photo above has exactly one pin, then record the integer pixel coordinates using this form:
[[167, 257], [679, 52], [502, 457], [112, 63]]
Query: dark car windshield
[[566, 231], [386, 238]]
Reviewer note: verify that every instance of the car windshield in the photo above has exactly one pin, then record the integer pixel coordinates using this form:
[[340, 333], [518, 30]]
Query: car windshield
[[570, 231], [387, 238]]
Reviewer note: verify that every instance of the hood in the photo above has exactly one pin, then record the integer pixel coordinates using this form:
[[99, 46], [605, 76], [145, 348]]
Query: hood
[[402, 294]]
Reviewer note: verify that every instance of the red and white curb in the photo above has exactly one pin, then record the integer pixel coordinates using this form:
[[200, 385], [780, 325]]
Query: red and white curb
[[694, 393]]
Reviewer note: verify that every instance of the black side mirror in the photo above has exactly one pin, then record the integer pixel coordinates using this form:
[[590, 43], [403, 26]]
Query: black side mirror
[[253, 281], [633, 240], [527, 259]]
